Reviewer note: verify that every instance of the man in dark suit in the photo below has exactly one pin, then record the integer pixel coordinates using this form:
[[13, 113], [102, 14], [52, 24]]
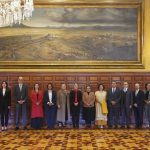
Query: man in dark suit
[[138, 105], [75, 101], [113, 104], [21, 96], [126, 105]]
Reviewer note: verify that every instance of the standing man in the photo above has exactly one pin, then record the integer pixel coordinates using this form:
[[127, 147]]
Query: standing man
[[126, 105], [138, 105], [21, 96], [75, 101], [113, 102]]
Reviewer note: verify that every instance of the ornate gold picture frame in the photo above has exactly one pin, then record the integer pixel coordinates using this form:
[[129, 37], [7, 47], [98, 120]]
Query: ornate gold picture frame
[[83, 34]]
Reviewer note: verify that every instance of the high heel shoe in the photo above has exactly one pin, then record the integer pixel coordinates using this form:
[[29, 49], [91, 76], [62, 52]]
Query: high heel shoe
[[3, 129]]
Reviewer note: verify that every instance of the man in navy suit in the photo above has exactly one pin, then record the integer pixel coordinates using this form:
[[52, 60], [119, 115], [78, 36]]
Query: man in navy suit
[[113, 103], [126, 105], [138, 105]]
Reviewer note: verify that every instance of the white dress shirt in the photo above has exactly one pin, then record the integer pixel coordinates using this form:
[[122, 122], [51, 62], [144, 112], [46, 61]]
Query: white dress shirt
[[136, 92], [113, 90], [20, 87], [50, 96], [4, 90], [125, 89]]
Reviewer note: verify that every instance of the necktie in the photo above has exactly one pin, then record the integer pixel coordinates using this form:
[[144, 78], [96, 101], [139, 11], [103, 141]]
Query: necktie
[[76, 99]]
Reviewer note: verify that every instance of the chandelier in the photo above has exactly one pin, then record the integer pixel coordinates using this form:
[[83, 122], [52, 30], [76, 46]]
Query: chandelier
[[15, 11]]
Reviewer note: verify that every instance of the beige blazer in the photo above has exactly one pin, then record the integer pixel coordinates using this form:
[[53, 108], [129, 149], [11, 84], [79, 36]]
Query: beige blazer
[[88, 99]]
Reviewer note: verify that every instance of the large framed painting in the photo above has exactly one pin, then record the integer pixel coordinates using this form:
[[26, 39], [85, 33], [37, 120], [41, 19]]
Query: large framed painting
[[78, 34]]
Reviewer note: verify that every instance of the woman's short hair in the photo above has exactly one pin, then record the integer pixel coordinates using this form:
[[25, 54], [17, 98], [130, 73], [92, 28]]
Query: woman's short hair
[[100, 85]]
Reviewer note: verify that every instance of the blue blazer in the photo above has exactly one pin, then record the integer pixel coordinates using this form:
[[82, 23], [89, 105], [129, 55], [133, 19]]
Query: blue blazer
[[113, 97]]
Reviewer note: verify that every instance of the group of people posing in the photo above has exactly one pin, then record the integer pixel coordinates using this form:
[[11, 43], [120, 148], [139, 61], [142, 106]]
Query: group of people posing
[[111, 108]]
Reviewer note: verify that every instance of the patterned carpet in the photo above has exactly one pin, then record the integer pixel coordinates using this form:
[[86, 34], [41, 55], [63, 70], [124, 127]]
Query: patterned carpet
[[69, 139]]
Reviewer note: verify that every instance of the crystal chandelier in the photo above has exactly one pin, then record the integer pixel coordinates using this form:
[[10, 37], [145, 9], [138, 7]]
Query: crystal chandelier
[[15, 11]]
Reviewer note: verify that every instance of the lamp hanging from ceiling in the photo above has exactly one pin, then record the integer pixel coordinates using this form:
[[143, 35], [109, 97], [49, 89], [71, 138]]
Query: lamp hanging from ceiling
[[15, 11]]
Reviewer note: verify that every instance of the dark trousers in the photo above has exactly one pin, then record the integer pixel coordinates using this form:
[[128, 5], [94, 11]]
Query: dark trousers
[[138, 114], [113, 115], [21, 109], [4, 116], [51, 116], [36, 123], [147, 110], [125, 116], [88, 115], [75, 116]]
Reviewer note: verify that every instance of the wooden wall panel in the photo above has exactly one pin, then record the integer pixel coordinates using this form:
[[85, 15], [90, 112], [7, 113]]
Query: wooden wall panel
[[83, 79]]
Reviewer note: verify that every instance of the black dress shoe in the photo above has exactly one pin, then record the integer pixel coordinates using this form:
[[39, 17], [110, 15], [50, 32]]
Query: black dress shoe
[[115, 127], [122, 127], [17, 128], [128, 127], [110, 126], [25, 128]]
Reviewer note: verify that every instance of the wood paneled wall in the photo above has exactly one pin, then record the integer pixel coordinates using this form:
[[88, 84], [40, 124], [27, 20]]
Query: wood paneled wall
[[83, 79]]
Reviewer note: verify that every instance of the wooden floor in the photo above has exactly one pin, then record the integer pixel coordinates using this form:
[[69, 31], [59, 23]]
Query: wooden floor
[[79, 139]]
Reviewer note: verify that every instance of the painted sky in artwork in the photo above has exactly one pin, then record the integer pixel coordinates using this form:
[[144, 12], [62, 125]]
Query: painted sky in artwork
[[83, 17]]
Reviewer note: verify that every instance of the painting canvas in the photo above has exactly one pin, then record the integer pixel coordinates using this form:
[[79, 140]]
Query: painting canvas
[[74, 34]]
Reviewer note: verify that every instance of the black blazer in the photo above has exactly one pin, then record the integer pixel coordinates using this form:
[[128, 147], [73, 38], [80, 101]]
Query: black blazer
[[139, 99], [72, 98], [116, 96], [5, 100], [23, 94], [146, 96], [128, 99], [46, 97]]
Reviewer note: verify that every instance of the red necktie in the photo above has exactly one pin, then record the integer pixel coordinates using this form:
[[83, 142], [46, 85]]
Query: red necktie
[[76, 98]]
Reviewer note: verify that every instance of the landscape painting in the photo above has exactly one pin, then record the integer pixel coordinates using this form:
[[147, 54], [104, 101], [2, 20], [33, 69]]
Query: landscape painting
[[73, 34]]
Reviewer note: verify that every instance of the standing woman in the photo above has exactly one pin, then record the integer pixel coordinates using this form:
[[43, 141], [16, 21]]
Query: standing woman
[[50, 98], [88, 106], [101, 106], [36, 97], [75, 98], [5, 103], [147, 101], [63, 105]]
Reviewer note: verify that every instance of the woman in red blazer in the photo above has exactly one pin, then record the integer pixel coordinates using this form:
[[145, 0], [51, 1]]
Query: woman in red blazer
[[36, 97]]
